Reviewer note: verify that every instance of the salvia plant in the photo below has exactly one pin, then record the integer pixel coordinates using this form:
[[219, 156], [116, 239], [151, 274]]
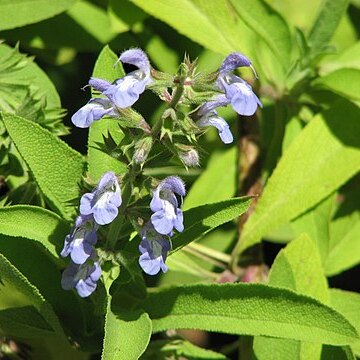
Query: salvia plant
[[219, 195]]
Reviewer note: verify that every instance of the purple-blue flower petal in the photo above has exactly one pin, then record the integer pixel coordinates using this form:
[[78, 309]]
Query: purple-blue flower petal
[[153, 249], [99, 84], [125, 92], [103, 201], [136, 57], [81, 277], [233, 61], [162, 223], [213, 119], [94, 110]]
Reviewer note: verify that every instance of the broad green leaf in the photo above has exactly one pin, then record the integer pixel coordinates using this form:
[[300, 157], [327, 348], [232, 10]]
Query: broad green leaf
[[93, 20], [348, 304], [191, 19], [198, 221], [345, 82], [56, 168], [326, 23], [127, 335], [212, 185], [242, 25], [88, 21], [345, 255], [315, 223], [349, 59], [305, 173], [300, 264], [42, 272], [297, 267], [247, 309], [98, 161], [124, 15], [23, 310], [34, 223], [344, 230], [269, 25], [23, 12]]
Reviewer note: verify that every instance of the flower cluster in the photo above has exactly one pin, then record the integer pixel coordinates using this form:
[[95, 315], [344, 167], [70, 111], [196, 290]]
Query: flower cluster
[[236, 92], [177, 129], [166, 217], [120, 94], [100, 207]]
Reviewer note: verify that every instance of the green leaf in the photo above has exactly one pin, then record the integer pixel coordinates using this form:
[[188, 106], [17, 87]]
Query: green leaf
[[247, 309], [127, 335], [348, 304], [349, 59], [192, 19], [200, 220], [23, 311], [344, 231], [345, 82], [212, 185], [56, 168], [269, 25], [22, 12], [98, 161], [34, 263], [305, 173], [93, 20], [326, 23], [34, 223], [297, 267], [32, 72], [315, 223]]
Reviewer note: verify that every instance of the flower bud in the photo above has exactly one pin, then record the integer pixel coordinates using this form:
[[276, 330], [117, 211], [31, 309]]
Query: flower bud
[[188, 155], [142, 150]]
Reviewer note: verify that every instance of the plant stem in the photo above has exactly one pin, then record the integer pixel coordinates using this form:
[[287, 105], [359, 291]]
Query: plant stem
[[218, 255], [204, 257]]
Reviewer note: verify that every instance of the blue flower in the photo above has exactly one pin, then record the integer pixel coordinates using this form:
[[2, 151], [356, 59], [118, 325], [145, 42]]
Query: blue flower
[[167, 214], [79, 243], [153, 248], [212, 118], [125, 92], [103, 201], [82, 277], [238, 92], [94, 110]]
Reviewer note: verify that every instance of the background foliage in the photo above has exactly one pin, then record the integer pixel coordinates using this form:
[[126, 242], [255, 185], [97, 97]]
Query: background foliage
[[296, 161]]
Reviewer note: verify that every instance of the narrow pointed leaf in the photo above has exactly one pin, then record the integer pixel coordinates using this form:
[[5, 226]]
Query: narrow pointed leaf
[[23, 12], [347, 303], [297, 267], [35, 223], [248, 309], [56, 168], [324, 27], [24, 312], [305, 174], [126, 335]]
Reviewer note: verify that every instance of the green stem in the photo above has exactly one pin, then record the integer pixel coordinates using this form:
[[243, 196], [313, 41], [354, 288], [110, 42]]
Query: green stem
[[218, 255], [204, 257], [179, 90]]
